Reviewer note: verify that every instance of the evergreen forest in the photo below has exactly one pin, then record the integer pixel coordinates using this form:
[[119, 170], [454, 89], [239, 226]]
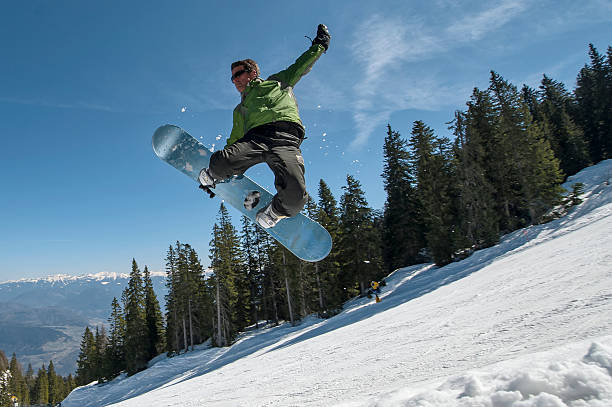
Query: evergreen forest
[[45, 387], [511, 150]]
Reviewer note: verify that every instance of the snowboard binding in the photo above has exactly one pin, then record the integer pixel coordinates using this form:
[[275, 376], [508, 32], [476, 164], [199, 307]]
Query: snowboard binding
[[206, 182]]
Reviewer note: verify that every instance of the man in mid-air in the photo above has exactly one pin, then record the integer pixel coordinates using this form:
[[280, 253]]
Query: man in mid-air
[[267, 128]]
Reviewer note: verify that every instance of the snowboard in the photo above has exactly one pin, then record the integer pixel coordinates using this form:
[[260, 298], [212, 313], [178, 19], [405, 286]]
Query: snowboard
[[302, 236]]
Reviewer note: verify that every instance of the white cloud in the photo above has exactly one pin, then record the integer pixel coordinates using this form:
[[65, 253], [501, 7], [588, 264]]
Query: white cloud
[[476, 26], [380, 45], [387, 49], [366, 123], [382, 42]]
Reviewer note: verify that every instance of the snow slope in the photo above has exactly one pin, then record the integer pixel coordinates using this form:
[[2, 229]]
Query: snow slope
[[525, 323]]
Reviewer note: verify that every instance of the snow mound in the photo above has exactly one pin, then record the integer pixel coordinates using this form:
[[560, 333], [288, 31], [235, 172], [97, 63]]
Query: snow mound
[[572, 381]]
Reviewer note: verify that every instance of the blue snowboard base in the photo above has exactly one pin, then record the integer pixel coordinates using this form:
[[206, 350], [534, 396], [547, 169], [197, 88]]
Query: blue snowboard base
[[302, 236]]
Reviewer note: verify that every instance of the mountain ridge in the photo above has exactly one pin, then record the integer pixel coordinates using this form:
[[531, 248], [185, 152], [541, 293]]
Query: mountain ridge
[[43, 319], [103, 275]]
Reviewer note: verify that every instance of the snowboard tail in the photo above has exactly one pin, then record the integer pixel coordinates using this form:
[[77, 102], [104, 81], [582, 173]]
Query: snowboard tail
[[301, 235]]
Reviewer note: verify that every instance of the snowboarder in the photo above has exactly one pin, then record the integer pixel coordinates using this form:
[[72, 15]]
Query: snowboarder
[[374, 289], [375, 286], [267, 128]]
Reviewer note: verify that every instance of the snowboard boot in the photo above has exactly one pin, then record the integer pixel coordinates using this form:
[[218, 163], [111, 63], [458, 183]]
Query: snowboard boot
[[206, 180], [267, 218]]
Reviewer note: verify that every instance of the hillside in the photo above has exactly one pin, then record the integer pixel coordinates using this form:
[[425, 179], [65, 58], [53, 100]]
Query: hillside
[[527, 322], [44, 319]]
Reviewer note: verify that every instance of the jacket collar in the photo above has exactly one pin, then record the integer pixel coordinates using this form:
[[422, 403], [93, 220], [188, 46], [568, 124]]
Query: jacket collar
[[250, 86]]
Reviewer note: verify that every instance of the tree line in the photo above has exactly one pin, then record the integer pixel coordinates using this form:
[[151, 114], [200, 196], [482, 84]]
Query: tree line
[[511, 150], [135, 333], [45, 387]]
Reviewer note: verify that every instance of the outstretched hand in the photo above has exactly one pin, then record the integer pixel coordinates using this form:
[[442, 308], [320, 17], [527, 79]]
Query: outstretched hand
[[322, 37]]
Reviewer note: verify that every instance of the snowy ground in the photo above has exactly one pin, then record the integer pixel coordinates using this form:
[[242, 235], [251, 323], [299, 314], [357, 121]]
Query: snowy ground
[[525, 323]]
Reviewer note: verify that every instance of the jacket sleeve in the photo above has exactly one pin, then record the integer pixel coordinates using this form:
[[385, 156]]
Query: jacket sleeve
[[303, 65], [237, 127]]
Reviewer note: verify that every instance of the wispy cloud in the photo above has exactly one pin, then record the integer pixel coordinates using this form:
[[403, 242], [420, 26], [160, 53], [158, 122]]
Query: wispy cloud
[[381, 42], [384, 47], [476, 26]]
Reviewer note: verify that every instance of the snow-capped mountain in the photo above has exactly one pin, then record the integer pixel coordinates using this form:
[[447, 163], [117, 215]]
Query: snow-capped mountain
[[526, 323], [89, 294], [44, 319]]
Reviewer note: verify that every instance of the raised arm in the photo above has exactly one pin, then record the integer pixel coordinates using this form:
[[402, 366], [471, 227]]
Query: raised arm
[[303, 65]]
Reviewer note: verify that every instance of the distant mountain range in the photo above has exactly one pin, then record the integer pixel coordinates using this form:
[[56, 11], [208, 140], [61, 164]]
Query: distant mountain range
[[44, 319]]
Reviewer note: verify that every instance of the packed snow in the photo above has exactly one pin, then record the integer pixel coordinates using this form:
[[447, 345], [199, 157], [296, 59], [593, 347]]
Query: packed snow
[[527, 322]]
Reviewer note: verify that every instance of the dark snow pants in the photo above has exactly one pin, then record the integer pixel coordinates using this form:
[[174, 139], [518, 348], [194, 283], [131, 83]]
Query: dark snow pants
[[278, 145]]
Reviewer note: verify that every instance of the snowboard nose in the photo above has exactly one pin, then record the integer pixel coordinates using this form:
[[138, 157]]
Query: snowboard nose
[[164, 140]]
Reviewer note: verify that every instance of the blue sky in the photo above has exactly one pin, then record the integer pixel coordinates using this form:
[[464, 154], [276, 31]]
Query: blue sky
[[85, 84]]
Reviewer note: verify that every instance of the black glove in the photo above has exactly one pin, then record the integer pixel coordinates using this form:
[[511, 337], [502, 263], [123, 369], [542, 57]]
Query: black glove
[[322, 37]]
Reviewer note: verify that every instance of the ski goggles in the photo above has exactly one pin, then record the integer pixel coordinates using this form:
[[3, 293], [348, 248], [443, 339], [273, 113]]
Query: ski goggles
[[238, 73]]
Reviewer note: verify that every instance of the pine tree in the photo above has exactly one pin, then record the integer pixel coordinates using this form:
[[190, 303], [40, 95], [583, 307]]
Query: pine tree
[[115, 351], [70, 384], [327, 271], [403, 233], [510, 125], [431, 165], [5, 395], [17, 385], [241, 303], [153, 317], [188, 302], [228, 278], [253, 268], [86, 360], [187, 299], [172, 302], [507, 175], [181, 288], [329, 209], [359, 245], [288, 291], [594, 99], [5, 379], [199, 304], [41, 386], [55, 390], [473, 130], [266, 249], [550, 109], [530, 183], [101, 342], [135, 323], [184, 290], [206, 307], [309, 289], [570, 146], [29, 380]]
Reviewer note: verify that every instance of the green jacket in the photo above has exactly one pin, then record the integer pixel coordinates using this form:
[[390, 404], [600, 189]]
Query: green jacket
[[272, 100]]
